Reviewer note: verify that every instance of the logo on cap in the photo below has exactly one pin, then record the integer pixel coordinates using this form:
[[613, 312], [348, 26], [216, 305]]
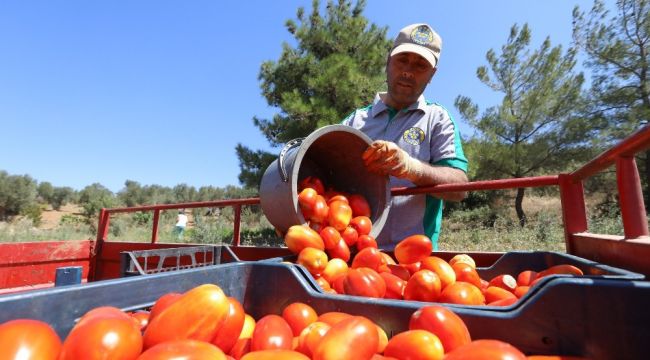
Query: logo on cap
[[413, 136], [422, 35]]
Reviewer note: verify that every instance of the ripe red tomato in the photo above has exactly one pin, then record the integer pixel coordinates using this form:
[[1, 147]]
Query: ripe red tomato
[[322, 283], [307, 202], [412, 268], [504, 281], [274, 355], [162, 303], [141, 318], [413, 249], [299, 315], [241, 348], [312, 182], [495, 293], [389, 260], [359, 205], [299, 237], [320, 210], [29, 339], [314, 260], [272, 332], [334, 268], [352, 338], [350, 235], [399, 271], [337, 283], [486, 350], [195, 315], [440, 267], [416, 345], [503, 302], [365, 241], [103, 338], [333, 317], [183, 349], [370, 258], [424, 285], [444, 323], [337, 197], [340, 251], [339, 215], [330, 236], [103, 312], [466, 273], [561, 269], [521, 291], [228, 333], [364, 282], [462, 293], [394, 286], [362, 224], [382, 357], [526, 277], [463, 258], [311, 336]]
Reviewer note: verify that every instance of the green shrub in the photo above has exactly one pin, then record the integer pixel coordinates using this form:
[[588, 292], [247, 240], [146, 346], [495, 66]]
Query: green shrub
[[73, 220], [33, 212], [143, 217]]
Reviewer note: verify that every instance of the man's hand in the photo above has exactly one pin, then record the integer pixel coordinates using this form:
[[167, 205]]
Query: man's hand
[[385, 157]]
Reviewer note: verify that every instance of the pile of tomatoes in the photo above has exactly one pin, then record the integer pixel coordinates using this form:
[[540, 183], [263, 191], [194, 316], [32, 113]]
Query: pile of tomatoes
[[337, 249], [203, 323]]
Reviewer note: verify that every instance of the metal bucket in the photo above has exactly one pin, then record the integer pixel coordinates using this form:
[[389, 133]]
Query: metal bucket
[[332, 153]]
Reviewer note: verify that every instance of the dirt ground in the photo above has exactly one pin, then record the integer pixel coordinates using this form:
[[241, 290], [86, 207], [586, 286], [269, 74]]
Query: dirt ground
[[50, 219]]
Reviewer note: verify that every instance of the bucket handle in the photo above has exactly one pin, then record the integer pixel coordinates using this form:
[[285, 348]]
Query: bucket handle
[[288, 146]]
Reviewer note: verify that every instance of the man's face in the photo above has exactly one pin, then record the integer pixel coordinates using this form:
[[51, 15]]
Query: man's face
[[408, 75]]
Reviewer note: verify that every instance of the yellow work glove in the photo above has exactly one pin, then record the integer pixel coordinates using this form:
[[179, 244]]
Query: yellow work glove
[[385, 157]]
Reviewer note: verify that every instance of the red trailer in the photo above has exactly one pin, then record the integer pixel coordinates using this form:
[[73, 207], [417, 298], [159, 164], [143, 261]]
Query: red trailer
[[33, 265], [603, 315]]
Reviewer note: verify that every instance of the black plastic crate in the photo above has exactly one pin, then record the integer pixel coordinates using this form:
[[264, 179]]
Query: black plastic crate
[[515, 262], [597, 318], [146, 262]]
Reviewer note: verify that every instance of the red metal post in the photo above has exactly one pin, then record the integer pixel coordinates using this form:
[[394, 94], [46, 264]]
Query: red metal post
[[102, 234], [154, 231], [574, 213], [235, 233], [635, 223]]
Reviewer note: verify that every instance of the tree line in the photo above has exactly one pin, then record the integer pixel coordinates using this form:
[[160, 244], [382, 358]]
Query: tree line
[[547, 121], [23, 195]]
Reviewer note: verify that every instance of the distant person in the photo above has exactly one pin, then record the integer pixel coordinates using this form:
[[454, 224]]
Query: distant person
[[181, 223], [416, 142]]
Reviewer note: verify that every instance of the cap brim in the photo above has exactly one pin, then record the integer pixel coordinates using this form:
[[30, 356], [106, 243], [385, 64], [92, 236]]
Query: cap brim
[[417, 49]]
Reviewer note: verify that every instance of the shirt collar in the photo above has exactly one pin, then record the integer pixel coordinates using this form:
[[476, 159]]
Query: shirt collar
[[378, 105]]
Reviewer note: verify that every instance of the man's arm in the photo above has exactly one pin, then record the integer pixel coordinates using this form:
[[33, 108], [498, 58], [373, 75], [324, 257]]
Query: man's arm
[[386, 157], [435, 175]]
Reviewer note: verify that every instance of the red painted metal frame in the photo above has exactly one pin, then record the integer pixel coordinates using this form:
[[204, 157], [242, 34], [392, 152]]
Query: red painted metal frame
[[624, 251], [30, 265]]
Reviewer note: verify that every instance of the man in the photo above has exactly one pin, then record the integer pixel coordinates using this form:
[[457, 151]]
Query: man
[[416, 142], [181, 223]]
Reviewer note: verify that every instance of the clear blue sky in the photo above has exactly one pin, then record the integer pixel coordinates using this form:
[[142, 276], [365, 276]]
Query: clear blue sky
[[161, 92]]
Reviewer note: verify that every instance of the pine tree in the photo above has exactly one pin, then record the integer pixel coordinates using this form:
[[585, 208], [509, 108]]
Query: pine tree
[[537, 125], [337, 66], [618, 54]]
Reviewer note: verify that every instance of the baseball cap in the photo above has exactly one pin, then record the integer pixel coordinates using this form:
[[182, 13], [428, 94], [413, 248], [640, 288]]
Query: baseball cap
[[420, 39]]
